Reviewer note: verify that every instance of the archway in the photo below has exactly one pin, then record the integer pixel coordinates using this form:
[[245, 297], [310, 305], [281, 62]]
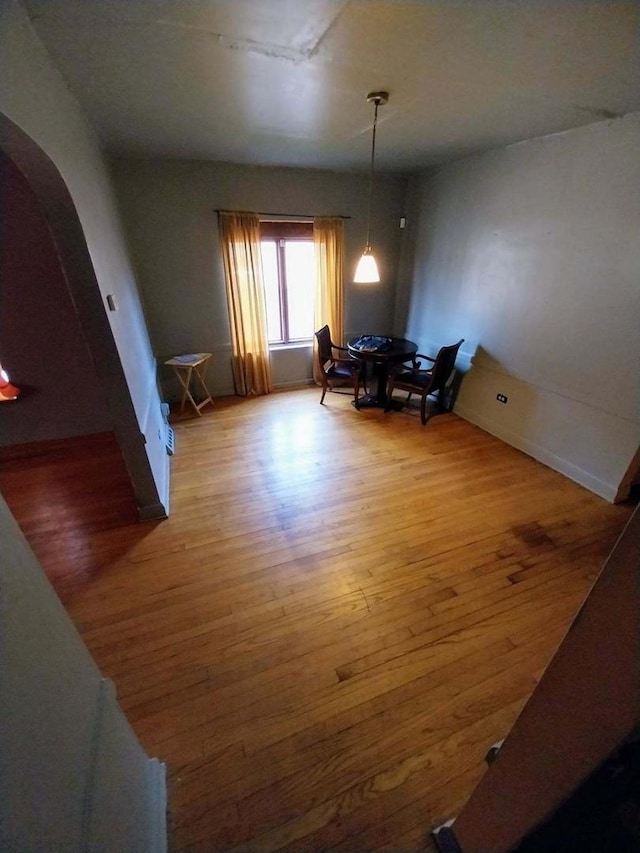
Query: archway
[[66, 229]]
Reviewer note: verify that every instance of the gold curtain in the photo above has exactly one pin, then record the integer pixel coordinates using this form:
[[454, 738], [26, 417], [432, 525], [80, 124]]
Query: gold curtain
[[328, 238], [240, 239]]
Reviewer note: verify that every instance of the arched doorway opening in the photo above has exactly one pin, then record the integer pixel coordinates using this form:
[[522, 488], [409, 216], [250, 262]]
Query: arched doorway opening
[[54, 315]]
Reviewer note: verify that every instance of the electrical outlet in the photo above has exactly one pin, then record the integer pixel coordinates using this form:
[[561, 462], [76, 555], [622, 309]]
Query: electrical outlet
[[501, 398]]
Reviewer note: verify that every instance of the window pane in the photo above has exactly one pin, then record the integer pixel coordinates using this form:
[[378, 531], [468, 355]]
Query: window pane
[[268, 249], [301, 274]]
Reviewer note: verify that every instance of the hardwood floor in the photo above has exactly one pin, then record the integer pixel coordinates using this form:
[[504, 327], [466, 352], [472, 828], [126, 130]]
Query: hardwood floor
[[343, 612], [72, 498]]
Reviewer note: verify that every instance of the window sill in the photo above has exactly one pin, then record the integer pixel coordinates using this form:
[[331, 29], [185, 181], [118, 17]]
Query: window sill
[[291, 346]]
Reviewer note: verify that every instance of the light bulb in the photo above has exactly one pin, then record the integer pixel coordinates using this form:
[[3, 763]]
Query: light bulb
[[367, 269]]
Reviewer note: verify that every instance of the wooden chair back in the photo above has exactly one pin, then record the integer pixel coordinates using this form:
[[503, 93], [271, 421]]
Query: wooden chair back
[[425, 381], [336, 365], [325, 352], [443, 367]]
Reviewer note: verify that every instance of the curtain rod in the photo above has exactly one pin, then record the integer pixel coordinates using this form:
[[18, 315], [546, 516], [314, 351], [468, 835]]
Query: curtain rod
[[289, 215]]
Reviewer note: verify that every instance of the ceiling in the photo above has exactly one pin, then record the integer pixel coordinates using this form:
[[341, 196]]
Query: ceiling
[[285, 81]]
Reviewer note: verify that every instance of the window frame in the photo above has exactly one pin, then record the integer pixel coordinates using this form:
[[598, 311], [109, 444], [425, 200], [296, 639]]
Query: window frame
[[282, 232]]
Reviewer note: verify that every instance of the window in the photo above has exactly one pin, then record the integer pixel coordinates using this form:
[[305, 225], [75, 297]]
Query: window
[[289, 269]]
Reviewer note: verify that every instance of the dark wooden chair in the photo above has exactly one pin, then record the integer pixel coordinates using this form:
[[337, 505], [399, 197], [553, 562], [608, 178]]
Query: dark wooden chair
[[336, 368], [425, 381]]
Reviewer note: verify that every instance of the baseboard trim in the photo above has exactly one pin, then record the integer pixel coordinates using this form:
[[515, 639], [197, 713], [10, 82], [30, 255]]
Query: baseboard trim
[[153, 512], [541, 454], [445, 838], [158, 793], [166, 497], [113, 740], [294, 383]]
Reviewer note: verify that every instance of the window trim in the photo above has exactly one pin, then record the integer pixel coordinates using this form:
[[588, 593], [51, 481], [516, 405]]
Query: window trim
[[284, 230], [281, 232]]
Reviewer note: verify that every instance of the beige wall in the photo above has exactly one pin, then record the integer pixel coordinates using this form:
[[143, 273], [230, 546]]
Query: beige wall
[[169, 211], [73, 777], [531, 253]]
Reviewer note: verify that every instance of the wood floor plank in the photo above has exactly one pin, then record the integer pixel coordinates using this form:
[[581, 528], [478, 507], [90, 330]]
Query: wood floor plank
[[342, 613]]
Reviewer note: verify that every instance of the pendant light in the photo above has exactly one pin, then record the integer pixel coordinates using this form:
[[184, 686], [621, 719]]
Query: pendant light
[[367, 269]]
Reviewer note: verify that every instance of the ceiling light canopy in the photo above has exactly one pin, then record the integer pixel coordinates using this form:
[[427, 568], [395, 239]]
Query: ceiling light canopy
[[367, 269]]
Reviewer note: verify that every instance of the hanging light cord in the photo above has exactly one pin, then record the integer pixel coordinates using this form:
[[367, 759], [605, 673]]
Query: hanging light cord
[[371, 171]]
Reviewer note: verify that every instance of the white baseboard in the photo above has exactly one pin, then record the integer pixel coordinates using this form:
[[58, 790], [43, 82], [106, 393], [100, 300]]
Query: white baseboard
[[157, 772], [125, 802], [154, 511], [294, 383], [541, 454]]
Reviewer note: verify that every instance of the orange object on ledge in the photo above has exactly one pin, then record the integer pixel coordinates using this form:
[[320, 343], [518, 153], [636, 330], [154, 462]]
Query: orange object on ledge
[[7, 390]]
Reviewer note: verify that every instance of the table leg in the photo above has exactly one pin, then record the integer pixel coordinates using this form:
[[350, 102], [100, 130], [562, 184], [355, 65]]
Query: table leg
[[382, 372], [379, 399], [186, 392], [207, 398]]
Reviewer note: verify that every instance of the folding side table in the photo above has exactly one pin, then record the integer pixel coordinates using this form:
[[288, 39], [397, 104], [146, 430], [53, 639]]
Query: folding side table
[[190, 369]]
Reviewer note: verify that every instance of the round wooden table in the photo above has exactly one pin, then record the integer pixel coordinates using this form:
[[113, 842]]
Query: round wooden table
[[399, 350]]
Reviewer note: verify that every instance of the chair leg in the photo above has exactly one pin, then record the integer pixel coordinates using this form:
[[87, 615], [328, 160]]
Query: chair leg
[[423, 410], [324, 391], [356, 389]]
